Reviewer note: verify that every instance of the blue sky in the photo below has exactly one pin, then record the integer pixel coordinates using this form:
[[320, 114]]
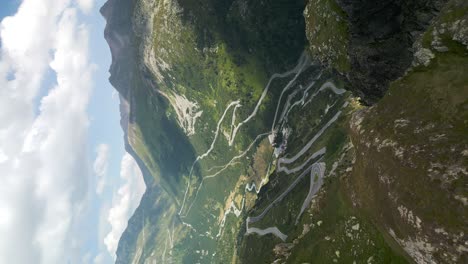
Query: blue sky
[[61, 145], [9, 7]]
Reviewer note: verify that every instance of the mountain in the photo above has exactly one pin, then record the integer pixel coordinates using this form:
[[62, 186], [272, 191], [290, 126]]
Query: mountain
[[292, 131]]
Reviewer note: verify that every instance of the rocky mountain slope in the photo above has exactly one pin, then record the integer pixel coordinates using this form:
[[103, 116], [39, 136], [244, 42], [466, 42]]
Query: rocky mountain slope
[[372, 44], [251, 123]]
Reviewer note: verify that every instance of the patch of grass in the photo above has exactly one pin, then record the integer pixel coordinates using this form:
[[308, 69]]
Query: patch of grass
[[156, 139], [424, 116], [336, 234], [443, 87], [327, 32], [330, 222]]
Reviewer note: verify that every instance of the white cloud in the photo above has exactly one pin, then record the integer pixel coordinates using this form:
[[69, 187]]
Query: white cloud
[[3, 156], [100, 166], [26, 57], [86, 258], [43, 185], [125, 202], [104, 228], [115, 94], [99, 259], [86, 5]]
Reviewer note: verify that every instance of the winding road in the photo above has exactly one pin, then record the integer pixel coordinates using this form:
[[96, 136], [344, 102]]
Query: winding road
[[309, 144], [302, 63], [230, 163], [316, 171], [270, 230], [200, 157]]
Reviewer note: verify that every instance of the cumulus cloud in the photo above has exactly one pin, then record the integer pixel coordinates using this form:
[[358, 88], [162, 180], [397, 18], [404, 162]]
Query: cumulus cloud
[[44, 160], [99, 259], [100, 166], [86, 5], [125, 202]]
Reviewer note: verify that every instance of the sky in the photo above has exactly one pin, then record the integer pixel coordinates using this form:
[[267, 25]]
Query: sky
[[67, 186]]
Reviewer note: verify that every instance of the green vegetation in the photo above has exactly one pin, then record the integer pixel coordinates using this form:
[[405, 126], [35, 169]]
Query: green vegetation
[[327, 227], [197, 58], [331, 225], [444, 117], [200, 66], [327, 32], [339, 232], [416, 136], [155, 138]]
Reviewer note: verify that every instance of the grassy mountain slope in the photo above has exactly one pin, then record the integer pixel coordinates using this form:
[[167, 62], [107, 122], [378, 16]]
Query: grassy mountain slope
[[256, 153]]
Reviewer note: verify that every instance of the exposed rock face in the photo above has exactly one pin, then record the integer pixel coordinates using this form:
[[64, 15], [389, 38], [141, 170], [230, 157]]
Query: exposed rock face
[[381, 35], [411, 168], [120, 37], [409, 151]]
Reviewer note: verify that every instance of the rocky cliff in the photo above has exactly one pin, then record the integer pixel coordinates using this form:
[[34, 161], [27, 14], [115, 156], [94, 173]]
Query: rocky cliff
[[373, 43]]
